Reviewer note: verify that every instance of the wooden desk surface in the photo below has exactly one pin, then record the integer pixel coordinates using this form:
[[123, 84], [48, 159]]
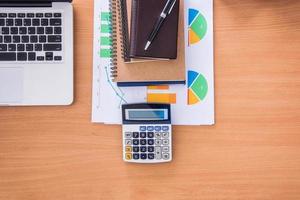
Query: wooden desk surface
[[253, 151]]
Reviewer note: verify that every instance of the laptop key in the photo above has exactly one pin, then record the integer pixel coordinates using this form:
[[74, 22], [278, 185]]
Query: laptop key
[[49, 30], [39, 15], [18, 22], [57, 30], [3, 47], [48, 14], [49, 56], [16, 39], [30, 15], [7, 39], [38, 47], [12, 15], [21, 15], [31, 56], [35, 22], [42, 39], [22, 30], [40, 58], [27, 22], [29, 47], [57, 58], [1, 38], [11, 56], [2, 22], [14, 30], [21, 47], [9, 22], [40, 30], [12, 47], [25, 39], [33, 39], [57, 14], [44, 22], [22, 56], [5, 30], [52, 47], [31, 30], [54, 38], [3, 15], [55, 22]]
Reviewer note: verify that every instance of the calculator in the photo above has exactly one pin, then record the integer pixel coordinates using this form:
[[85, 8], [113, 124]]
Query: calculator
[[147, 133]]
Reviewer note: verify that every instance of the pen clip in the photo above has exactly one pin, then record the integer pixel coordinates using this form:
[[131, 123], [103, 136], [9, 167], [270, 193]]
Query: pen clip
[[172, 7]]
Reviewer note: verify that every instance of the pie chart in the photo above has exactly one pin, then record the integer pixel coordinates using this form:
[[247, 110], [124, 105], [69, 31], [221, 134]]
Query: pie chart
[[197, 27], [197, 87]]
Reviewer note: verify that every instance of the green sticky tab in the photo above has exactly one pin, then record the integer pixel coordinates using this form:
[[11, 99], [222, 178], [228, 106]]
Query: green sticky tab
[[105, 41], [105, 28], [105, 16], [105, 53]]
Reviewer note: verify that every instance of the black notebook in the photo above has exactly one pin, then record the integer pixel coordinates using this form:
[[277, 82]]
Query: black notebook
[[144, 15]]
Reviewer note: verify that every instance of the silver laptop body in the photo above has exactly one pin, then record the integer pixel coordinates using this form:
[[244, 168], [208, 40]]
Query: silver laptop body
[[36, 52]]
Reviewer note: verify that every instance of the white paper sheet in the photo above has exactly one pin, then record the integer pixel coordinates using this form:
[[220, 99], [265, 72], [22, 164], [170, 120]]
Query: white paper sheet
[[108, 98]]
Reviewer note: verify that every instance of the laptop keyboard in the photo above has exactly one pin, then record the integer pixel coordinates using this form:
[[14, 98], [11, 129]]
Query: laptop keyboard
[[31, 37]]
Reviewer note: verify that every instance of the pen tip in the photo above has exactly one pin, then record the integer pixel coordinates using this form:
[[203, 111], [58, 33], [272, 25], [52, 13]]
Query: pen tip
[[147, 45]]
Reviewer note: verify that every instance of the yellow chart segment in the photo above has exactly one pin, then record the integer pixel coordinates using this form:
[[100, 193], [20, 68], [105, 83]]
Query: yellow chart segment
[[193, 37], [161, 98], [192, 98]]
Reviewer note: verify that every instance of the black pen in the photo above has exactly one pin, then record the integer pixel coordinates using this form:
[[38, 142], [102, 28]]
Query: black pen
[[165, 12]]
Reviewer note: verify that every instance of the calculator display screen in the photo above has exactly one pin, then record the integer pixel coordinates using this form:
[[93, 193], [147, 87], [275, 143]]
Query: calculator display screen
[[146, 114]]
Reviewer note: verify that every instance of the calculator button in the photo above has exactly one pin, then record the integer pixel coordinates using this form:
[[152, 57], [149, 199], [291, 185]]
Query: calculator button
[[166, 156], [143, 149], [143, 141], [165, 134], [135, 134], [128, 135], [151, 149], [136, 156], [165, 128], [150, 134], [135, 142], [150, 141], [128, 142], [143, 134], [157, 134], [158, 153], [143, 156], [157, 128], [157, 142], [128, 156], [165, 142], [136, 149], [128, 149], [143, 128], [165, 149], [150, 128], [151, 156]]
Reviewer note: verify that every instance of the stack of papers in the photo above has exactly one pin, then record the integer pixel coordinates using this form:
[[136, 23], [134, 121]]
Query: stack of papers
[[191, 104]]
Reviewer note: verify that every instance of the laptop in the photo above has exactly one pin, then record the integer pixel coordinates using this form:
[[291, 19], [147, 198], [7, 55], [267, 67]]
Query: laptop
[[36, 52]]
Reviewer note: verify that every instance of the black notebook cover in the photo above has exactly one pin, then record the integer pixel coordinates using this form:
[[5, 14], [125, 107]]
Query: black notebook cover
[[144, 14]]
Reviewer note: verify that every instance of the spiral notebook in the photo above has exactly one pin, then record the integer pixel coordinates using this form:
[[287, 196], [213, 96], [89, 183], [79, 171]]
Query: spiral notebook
[[127, 73]]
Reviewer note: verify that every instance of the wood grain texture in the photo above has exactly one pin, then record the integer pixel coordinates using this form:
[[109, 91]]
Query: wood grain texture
[[253, 151]]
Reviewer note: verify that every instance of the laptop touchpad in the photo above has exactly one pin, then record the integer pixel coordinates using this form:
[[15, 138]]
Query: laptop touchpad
[[11, 85]]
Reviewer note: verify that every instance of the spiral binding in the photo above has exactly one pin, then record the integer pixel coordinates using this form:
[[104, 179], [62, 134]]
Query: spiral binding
[[113, 37], [123, 27]]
